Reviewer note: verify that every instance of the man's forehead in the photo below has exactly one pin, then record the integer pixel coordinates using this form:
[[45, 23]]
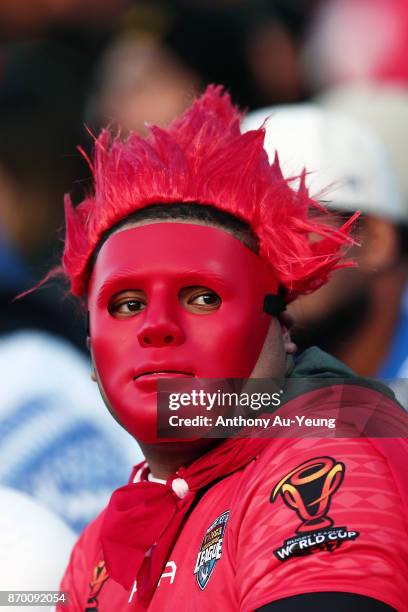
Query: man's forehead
[[174, 241], [181, 252]]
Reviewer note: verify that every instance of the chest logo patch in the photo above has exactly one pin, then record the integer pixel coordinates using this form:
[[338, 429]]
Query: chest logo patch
[[210, 550], [308, 490]]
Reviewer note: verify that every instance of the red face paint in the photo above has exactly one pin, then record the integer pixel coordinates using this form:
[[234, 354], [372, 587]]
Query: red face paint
[[165, 338]]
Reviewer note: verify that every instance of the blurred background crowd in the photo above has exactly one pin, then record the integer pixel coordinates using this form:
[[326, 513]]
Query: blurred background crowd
[[331, 79]]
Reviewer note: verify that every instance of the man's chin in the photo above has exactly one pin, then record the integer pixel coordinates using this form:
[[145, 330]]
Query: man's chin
[[143, 419], [145, 428]]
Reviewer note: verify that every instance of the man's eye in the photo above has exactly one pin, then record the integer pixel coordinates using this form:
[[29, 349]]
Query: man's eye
[[130, 306], [200, 300], [126, 307], [206, 299]]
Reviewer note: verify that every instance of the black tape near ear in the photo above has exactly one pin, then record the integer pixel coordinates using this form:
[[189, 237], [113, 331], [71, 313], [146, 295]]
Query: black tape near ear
[[87, 325], [275, 304]]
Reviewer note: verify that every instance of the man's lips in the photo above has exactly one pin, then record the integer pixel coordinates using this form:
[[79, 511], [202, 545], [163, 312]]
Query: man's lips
[[147, 381], [157, 374]]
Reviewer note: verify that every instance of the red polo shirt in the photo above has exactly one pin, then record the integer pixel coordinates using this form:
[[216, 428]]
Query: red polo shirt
[[308, 515]]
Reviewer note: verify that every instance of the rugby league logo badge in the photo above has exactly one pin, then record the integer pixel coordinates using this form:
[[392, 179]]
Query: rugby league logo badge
[[210, 550]]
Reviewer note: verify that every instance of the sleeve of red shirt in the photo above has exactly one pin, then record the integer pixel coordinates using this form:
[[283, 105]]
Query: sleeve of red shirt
[[374, 564], [68, 583], [77, 577]]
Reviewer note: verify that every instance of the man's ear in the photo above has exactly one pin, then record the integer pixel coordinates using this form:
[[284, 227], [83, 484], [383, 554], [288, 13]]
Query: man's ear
[[286, 322]]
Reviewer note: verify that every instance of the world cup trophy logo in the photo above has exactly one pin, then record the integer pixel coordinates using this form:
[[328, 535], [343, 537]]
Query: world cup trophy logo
[[308, 490]]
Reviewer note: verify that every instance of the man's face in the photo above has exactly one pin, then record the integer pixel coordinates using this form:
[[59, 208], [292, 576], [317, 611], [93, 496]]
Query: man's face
[[173, 300], [330, 316]]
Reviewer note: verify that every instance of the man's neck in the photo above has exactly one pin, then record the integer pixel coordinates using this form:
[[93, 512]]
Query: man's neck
[[165, 459]]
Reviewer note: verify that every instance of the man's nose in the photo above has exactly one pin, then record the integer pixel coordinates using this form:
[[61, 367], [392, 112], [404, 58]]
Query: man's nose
[[160, 329]]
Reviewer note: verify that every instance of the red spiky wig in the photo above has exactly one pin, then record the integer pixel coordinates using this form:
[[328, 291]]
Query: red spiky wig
[[203, 158]]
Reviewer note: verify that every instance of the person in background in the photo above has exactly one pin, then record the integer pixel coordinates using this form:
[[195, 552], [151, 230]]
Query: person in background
[[141, 82], [160, 58], [383, 107], [355, 42], [360, 316], [56, 443]]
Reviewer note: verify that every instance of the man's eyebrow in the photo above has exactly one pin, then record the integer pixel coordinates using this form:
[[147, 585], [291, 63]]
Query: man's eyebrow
[[112, 284]]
